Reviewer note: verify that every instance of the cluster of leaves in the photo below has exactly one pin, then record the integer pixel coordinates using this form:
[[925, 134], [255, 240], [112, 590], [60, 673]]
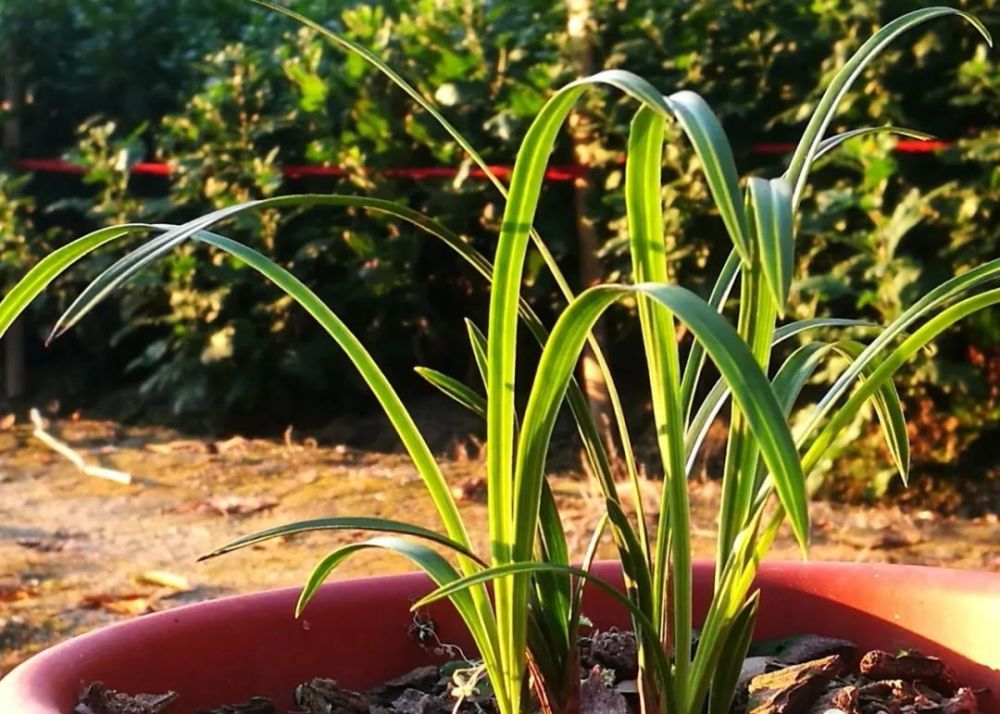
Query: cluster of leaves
[[263, 95]]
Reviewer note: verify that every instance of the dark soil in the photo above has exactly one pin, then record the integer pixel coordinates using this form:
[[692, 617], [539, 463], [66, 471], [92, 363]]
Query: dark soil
[[801, 675]]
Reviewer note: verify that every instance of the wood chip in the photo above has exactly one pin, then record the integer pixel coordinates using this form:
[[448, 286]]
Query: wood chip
[[323, 696], [180, 445], [909, 666], [793, 689], [256, 705], [964, 702], [98, 699]]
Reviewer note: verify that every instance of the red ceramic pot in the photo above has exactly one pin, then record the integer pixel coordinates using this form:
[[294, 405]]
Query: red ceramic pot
[[356, 632]]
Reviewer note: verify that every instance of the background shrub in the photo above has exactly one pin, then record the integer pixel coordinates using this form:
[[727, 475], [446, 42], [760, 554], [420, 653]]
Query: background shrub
[[229, 93]]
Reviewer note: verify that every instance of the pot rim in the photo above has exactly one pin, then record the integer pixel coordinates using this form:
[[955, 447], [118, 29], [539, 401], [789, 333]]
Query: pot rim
[[810, 580]]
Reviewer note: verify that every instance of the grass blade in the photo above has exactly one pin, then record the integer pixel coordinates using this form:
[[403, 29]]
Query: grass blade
[[434, 565], [55, 264], [805, 152], [696, 357], [888, 408], [455, 390], [673, 542], [709, 139], [828, 145], [344, 523], [130, 265], [502, 571], [933, 300], [884, 372], [771, 203], [737, 642]]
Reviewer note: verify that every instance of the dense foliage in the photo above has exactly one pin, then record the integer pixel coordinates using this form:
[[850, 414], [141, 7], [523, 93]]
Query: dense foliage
[[229, 93]]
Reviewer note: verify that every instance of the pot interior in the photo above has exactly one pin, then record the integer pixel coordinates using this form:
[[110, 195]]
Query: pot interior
[[359, 633]]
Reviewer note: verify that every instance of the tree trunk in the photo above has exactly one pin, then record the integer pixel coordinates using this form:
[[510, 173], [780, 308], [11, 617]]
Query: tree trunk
[[578, 27], [15, 379]]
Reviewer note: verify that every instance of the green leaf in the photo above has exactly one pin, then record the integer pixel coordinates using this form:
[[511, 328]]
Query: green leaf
[[696, 357], [709, 139], [343, 523], [483, 631], [771, 204], [508, 537], [130, 265], [478, 342], [888, 408], [501, 571], [379, 384], [673, 542], [881, 375], [733, 652], [805, 152], [455, 390], [930, 302], [828, 145], [55, 264], [751, 389]]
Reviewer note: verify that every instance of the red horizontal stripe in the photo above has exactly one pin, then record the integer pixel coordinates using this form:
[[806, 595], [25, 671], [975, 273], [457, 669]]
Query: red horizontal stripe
[[553, 173]]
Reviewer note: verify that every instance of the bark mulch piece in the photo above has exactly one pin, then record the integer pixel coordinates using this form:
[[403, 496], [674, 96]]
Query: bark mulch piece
[[613, 649], [98, 699], [323, 696], [836, 683], [256, 705], [793, 689], [909, 666]]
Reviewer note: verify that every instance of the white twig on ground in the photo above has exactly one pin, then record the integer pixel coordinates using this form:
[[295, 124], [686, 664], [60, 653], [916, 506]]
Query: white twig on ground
[[73, 457]]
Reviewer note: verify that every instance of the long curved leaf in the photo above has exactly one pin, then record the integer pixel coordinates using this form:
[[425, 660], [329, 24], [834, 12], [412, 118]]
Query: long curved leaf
[[55, 264], [522, 202], [709, 139], [716, 398], [455, 390], [344, 523], [673, 542], [828, 145], [808, 145], [934, 299], [130, 265], [889, 365], [889, 410], [434, 565]]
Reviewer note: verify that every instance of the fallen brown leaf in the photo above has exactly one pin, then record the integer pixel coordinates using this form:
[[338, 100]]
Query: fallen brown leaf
[[120, 603], [14, 592], [164, 579]]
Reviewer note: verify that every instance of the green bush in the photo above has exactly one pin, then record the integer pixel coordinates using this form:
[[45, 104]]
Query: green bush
[[266, 93]]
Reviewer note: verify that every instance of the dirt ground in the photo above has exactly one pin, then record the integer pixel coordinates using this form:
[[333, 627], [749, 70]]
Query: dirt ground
[[77, 552]]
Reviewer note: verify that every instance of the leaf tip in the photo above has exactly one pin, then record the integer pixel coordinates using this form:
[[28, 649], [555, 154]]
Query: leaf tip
[[303, 600], [57, 332]]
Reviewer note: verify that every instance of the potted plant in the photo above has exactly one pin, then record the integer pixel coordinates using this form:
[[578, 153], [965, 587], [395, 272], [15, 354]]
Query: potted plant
[[521, 605]]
